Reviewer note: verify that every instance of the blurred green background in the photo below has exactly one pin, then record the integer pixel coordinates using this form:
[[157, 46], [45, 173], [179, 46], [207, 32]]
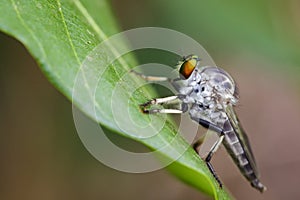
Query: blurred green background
[[257, 42]]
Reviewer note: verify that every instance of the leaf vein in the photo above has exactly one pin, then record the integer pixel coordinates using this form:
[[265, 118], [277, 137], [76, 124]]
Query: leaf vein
[[67, 32], [28, 29], [99, 31]]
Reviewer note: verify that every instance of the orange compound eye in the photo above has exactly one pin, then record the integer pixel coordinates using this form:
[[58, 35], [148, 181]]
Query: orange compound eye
[[188, 67]]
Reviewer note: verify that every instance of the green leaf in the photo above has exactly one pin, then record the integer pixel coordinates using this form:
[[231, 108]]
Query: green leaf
[[60, 35]]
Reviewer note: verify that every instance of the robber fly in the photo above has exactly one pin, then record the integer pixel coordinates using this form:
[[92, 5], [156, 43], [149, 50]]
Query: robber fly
[[209, 95]]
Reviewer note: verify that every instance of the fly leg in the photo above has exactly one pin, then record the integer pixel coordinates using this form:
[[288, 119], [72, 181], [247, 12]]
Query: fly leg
[[214, 148], [165, 111], [198, 143], [151, 78], [209, 156], [160, 101]]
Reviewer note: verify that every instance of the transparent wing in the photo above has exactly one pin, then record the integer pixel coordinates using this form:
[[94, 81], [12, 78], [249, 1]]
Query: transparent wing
[[242, 136]]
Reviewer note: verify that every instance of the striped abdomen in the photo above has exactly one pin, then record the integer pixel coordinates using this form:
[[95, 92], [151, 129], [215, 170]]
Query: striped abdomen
[[241, 155]]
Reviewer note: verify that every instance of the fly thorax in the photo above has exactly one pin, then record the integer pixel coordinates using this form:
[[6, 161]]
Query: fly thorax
[[223, 86], [212, 94]]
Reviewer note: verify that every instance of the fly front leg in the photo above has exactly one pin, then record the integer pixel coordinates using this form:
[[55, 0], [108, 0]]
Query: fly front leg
[[151, 78], [160, 101], [165, 111]]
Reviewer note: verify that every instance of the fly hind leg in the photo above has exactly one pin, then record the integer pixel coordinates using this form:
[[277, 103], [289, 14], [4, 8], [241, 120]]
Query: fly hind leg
[[209, 156], [207, 159], [214, 148]]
